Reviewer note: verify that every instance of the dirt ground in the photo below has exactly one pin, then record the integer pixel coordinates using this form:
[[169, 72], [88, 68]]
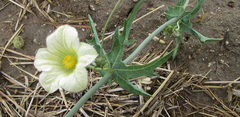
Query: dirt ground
[[217, 60]]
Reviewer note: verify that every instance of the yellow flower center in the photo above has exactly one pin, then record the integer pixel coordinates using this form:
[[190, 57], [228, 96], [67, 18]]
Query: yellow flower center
[[69, 61]]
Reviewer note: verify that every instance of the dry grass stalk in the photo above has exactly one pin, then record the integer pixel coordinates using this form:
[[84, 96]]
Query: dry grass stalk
[[162, 52], [22, 63], [155, 93], [42, 11], [234, 113], [12, 51], [5, 6], [15, 81], [32, 100], [15, 103], [137, 20], [221, 82], [35, 77], [17, 58], [63, 96]]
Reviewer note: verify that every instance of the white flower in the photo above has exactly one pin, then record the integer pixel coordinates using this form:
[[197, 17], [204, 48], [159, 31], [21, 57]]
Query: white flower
[[64, 60]]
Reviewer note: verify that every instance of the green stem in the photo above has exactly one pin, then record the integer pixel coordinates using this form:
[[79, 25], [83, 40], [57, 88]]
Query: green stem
[[142, 45], [105, 27], [185, 4], [88, 94], [96, 68]]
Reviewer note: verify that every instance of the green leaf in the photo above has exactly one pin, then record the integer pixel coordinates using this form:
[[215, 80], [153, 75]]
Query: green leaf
[[185, 24], [187, 15], [204, 39], [176, 11], [95, 41], [128, 22], [120, 40], [114, 57], [123, 73]]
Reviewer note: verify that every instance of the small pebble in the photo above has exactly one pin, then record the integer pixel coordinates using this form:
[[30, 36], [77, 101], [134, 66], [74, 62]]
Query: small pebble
[[92, 7], [35, 40], [227, 42], [212, 50]]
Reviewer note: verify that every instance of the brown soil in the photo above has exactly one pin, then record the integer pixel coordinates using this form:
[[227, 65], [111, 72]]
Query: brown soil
[[217, 61]]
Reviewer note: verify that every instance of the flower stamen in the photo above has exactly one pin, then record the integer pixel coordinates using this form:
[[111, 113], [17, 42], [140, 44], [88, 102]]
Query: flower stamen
[[69, 61]]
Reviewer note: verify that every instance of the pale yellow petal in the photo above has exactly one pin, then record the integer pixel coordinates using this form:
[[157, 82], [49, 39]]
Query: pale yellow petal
[[76, 81], [86, 54], [45, 61], [63, 41], [50, 80]]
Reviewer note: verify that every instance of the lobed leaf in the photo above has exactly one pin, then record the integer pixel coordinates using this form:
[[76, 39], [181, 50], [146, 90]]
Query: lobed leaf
[[95, 41], [123, 73]]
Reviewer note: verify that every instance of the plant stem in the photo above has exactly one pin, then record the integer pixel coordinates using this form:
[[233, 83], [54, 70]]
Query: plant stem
[[105, 27], [88, 94], [185, 4], [96, 68], [142, 45]]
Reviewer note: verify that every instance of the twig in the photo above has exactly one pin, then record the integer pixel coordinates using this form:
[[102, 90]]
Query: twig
[[14, 103], [8, 110], [63, 96], [41, 11], [22, 63], [12, 51], [234, 113], [22, 6], [34, 93], [83, 112], [13, 57], [15, 80], [5, 6], [162, 52], [35, 77], [136, 20], [109, 104], [155, 93], [221, 82]]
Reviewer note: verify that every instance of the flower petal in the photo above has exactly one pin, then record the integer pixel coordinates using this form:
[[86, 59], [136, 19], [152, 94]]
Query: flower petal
[[76, 81], [45, 60], [63, 41], [50, 80], [86, 54]]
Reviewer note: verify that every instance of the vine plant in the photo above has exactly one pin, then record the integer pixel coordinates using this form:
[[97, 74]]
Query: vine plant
[[110, 65]]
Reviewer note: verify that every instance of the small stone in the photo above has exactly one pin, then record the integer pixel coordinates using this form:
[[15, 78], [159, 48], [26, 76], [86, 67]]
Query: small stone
[[227, 42], [135, 0], [92, 7], [212, 50], [83, 29], [211, 63], [58, 15], [222, 61], [35, 40]]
